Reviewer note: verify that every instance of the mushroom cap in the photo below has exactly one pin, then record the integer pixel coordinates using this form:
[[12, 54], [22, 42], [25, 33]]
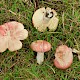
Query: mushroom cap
[[63, 57], [53, 23], [17, 30], [10, 35], [45, 17], [2, 30], [40, 46], [3, 40]]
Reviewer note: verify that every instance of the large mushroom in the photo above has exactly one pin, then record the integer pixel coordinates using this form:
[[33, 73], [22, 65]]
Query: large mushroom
[[40, 46], [45, 17], [63, 57], [10, 35]]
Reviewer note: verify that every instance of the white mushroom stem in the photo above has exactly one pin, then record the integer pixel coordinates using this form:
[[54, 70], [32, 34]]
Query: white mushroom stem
[[40, 57]]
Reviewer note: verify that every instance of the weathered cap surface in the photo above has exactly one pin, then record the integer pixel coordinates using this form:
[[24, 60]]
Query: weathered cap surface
[[40, 46], [63, 57]]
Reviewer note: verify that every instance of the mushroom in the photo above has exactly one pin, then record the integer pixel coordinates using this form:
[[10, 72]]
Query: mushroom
[[40, 46], [45, 17], [63, 57], [10, 35]]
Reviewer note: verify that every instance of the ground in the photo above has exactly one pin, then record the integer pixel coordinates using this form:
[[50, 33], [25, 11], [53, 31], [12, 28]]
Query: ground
[[21, 64]]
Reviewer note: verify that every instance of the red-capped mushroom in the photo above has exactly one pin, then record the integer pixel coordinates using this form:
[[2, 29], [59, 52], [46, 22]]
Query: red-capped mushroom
[[40, 46], [63, 57], [10, 35]]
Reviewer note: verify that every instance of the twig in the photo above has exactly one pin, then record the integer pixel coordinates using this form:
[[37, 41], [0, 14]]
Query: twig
[[50, 67], [12, 12], [13, 65], [75, 51], [76, 44], [63, 20]]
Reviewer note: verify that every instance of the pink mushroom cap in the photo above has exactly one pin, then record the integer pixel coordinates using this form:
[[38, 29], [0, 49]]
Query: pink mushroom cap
[[40, 46], [63, 57], [10, 35]]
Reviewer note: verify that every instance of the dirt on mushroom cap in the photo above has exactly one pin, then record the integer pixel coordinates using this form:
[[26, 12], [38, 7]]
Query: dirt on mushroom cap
[[63, 57]]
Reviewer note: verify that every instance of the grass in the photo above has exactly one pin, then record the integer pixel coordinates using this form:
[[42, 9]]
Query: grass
[[21, 64]]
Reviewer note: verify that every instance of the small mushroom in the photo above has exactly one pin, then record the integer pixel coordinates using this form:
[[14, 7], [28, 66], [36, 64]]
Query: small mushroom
[[40, 46], [10, 35], [63, 57], [45, 17]]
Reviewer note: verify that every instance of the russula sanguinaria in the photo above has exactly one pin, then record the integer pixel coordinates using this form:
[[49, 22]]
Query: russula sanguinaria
[[40, 46], [10, 35], [63, 57], [45, 17]]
